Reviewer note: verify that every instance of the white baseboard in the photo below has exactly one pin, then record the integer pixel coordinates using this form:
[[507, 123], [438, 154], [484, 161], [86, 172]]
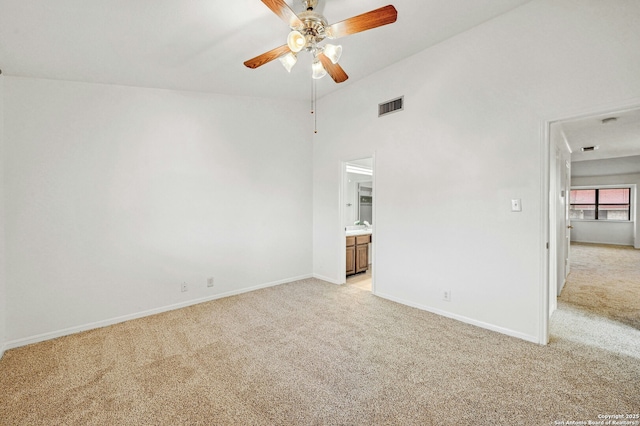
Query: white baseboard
[[603, 243], [323, 278], [481, 324], [111, 321], [1, 352]]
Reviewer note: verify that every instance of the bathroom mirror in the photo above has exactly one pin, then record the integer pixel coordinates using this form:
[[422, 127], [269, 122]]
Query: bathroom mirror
[[359, 192]]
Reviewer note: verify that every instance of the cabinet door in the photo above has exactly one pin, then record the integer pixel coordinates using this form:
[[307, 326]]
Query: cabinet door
[[362, 258], [363, 239], [351, 260]]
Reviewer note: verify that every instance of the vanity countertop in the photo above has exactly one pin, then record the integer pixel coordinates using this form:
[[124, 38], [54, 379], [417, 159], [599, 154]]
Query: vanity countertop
[[353, 232]]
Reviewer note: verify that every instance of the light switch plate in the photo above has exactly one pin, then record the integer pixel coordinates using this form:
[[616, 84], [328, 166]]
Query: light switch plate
[[516, 205]]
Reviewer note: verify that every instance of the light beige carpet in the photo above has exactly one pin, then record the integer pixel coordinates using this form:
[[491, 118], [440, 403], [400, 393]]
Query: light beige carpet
[[600, 304], [605, 280], [310, 353]]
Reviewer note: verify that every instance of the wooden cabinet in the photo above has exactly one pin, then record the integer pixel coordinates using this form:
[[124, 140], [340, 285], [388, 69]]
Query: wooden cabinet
[[362, 258], [351, 257], [357, 254]]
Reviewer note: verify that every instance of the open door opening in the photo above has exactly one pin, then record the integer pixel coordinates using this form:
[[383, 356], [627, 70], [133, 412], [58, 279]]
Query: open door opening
[[595, 155], [357, 207]]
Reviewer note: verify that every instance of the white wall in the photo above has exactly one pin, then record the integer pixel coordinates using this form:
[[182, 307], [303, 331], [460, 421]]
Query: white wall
[[600, 232], [468, 141], [607, 167], [116, 195], [3, 288], [609, 232]]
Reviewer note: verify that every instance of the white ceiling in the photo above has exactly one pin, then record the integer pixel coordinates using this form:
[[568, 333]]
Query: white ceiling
[[201, 45], [615, 138], [367, 163]]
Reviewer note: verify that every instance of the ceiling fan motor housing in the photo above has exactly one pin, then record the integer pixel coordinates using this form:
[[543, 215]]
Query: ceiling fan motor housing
[[313, 29]]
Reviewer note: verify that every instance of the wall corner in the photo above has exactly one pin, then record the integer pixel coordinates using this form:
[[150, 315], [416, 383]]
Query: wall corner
[[3, 282]]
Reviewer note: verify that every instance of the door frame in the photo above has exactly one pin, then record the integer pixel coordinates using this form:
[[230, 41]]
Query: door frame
[[547, 251], [342, 263], [554, 160]]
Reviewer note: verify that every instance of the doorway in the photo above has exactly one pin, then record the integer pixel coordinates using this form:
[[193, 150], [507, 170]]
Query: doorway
[[595, 149], [358, 219]]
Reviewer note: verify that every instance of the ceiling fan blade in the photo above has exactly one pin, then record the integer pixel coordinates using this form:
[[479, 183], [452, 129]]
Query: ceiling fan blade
[[373, 19], [280, 8], [267, 56], [334, 70]]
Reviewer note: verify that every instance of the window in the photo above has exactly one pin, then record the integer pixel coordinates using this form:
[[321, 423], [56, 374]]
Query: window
[[600, 204]]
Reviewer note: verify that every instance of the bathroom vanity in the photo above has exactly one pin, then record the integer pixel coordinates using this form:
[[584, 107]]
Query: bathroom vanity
[[357, 246]]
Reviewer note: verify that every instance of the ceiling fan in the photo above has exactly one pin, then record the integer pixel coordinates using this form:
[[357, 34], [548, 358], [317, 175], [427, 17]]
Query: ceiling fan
[[309, 28]]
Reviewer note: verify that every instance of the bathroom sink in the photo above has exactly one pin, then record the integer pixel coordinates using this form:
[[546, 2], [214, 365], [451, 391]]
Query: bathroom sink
[[358, 232]]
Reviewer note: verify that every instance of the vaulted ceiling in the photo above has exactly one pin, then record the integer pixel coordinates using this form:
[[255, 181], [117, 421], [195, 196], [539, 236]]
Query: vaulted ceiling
[[201, 45]]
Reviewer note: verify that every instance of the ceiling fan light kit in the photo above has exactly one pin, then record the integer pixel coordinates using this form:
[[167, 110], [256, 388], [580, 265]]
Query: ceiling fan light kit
[[317, 70], [296, 41], [309, 28], [288, 60], [333, 52]]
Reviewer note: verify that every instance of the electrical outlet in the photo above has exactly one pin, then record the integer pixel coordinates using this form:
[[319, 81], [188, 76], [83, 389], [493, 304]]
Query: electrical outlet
[[184, 287], [446, 295], [210, 282]]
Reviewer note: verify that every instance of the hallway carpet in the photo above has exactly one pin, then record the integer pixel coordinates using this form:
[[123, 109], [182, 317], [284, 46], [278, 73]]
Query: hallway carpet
[[605, 280], [600, 304]]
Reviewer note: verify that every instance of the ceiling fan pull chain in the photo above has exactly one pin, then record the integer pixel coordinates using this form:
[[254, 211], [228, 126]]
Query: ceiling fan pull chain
[[313, 87], [314, 108]]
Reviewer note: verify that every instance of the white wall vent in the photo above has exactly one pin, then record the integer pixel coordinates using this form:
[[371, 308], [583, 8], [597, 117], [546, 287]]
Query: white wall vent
[[391, 106]]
